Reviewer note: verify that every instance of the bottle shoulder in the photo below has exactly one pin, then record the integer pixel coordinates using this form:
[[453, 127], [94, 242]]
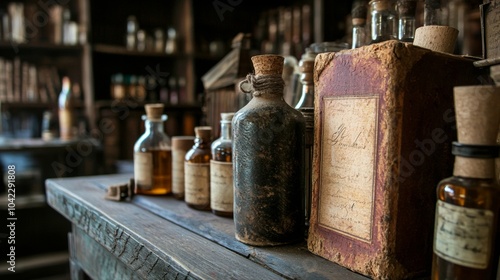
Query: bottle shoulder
[[152, 141]]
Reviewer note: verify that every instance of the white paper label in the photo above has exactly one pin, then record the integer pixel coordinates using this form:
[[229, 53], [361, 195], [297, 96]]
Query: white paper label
[[178, 171], [463, 235], [347, 182], [143, 170], [197, 183], [221, 186]]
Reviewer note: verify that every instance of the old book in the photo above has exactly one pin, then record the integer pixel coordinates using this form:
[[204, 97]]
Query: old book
[[384, 123]]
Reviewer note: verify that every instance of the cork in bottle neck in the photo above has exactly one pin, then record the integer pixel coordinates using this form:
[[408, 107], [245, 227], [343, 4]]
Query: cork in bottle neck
[[154, 111], [268, 64], [203, 132]]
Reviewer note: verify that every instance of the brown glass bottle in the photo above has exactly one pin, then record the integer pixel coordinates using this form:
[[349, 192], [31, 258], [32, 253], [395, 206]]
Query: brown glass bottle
[[153, 155], [197, 170], [221, 170]]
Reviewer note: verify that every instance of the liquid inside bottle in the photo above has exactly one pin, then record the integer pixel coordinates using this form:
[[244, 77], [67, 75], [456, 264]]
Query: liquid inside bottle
[[197, 170], [221, 170], [153, 155]]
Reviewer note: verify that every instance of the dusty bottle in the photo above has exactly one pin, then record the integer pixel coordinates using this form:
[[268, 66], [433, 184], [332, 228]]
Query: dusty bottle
[[153, 155], [268, 156], [197, 170], [66, 117], [306, 67], [180, 146], [406, 22], [221, 170], [466, 243]]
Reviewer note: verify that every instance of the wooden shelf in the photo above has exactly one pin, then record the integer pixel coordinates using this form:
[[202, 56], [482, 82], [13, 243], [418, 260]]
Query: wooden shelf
[[123, 51], [139, 105], [40, 47], [35, 105]]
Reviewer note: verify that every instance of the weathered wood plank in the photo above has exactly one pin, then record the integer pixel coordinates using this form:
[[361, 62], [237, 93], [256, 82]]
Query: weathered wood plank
[[149, 245]]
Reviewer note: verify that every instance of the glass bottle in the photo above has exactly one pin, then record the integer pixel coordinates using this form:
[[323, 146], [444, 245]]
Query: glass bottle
[[221, 170], [359, 13], [153, 155], [434, 13], [406, 15], [180, 146], [383, 21], [466, 242], [197, 170], [268, 158], [306, 67], [66, 117]]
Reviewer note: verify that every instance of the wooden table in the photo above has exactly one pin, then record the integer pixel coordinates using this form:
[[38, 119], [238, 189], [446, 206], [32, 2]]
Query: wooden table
[[162, 238]]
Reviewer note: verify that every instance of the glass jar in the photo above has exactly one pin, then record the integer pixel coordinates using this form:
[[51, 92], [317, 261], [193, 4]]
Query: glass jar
[[221, 170], [197, 170], [153, 155], [383, 21]]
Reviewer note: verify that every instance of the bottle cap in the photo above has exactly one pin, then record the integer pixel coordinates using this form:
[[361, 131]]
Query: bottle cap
[[268, 64], [359, 9], [182, 142], [226, 117], [203, 131], [379, 5], [154, 111]]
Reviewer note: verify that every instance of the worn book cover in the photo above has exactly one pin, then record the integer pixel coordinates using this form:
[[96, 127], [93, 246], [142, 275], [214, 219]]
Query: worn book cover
[[384, 123]]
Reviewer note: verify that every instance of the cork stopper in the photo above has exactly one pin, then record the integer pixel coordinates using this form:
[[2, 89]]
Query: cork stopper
[[182, 142], [380, 5], [359, 10], [407, 8], [307, 71], [268, 64], [478, 120], [437, 38], [204, 132], [226, 117], [154, 111], [478, 114]]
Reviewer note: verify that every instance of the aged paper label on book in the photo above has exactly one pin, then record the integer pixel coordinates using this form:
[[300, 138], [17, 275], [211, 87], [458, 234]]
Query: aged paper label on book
[[349, 143], [463, 235]]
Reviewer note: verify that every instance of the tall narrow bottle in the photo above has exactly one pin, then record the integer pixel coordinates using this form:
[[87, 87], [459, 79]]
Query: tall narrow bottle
[[406, 20], [153, 155], [466, 241], [383, 21], [359, 13], [197, 170], [221, 170], [66, 117], [268, 158]]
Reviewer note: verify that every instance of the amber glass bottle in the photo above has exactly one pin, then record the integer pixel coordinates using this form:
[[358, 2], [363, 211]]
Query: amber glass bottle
[[153, 155], [197, 170], [221, 170], [466, 242]]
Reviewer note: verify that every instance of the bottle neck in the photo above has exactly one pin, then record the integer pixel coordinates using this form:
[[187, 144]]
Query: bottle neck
[[307, 97], [154, 126], [406, 30], [226, 132], [358, 36], [474, 167]]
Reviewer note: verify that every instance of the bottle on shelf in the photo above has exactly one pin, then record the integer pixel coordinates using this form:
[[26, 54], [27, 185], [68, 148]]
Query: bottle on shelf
[[132, 27], [466, 242], [221, 170], [359, 13], [197, 170], [268, 158], [383, 21], [180, 146], [66, 114], [153, 155], [306, 68], [406, 22]]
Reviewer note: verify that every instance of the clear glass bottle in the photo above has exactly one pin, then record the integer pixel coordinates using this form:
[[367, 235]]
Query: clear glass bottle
[[153, 155], [383, 21], [197, 170], [359, 13], [66, 117], [221, 170], [306, 67], [406, 15]]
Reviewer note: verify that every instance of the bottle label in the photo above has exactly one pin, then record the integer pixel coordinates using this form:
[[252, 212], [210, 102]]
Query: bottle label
[[178, 171], [143, 170], [197, 183], [65, 124], [463, 235], [221, 186]]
